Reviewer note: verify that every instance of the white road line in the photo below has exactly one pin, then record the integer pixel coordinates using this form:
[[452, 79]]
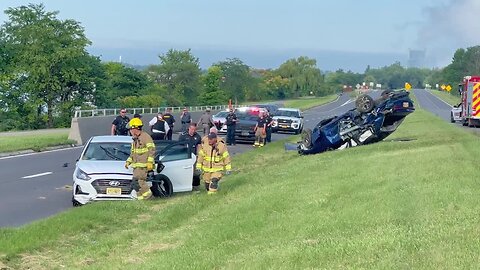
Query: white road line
[[39, 153], [36, 175]]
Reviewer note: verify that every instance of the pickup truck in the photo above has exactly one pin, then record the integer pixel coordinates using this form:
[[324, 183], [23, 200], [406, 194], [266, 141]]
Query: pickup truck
[[247, 119]]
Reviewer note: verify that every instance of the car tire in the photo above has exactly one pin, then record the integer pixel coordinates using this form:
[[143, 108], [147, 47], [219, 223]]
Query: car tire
[[364, 103], [307, 138], [451, 118], [75, 203], [161, 186]]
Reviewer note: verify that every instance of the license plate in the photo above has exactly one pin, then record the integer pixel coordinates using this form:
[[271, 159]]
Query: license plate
[[114, 191], [283, 126], [405, 105], [245, 133]]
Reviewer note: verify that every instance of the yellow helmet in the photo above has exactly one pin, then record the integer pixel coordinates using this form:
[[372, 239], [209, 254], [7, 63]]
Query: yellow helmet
[[135, 123]]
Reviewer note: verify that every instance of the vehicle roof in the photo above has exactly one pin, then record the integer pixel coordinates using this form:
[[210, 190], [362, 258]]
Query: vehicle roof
[[110, 138], [289, 109]]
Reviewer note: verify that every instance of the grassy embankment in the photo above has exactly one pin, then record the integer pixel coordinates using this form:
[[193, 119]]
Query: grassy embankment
[[36, 140], [447, 97], [391, 205]]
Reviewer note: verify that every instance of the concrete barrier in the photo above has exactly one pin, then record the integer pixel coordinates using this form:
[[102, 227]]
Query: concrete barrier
[[81, 129]]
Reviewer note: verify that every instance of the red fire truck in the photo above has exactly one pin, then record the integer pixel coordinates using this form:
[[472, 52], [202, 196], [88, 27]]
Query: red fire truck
[[470, 105]]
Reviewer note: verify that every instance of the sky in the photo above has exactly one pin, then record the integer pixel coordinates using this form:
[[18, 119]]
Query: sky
[[347, 34]]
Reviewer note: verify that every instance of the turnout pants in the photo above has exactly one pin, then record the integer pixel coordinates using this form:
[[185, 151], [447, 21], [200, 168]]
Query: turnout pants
[[140, 175], [260, 136]]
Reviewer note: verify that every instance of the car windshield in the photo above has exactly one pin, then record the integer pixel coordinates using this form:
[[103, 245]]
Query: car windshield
[[287, 113], [221, 114], [107, 151]]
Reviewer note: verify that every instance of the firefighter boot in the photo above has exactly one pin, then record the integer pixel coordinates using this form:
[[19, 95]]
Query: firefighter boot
[[213, 186], [207, 186]]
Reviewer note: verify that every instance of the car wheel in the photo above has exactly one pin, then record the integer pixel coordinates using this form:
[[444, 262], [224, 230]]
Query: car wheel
[[161, 186], [364, 103], [451, 118], [307, 138], [75, 203]]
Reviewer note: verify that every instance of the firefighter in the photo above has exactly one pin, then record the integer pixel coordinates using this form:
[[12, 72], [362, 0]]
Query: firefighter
[[260, 131], [141, 158], [213, 160]]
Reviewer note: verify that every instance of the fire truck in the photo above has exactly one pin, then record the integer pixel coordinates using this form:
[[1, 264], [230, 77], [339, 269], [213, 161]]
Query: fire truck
[[468, 111]]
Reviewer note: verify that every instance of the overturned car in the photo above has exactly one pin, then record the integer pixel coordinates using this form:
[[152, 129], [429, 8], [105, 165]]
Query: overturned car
[[371, 121]]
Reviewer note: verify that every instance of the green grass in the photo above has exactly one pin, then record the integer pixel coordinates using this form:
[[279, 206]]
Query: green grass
[[390, 205], [36, 142], [447, 97]]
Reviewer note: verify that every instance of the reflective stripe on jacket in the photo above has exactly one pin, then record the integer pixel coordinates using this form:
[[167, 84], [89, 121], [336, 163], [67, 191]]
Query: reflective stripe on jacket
[[142, 151], [213, 158]]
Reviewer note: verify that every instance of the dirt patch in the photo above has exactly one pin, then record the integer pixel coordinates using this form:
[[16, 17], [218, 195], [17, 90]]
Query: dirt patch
[[42, 261], [3, 266], [142, 218]]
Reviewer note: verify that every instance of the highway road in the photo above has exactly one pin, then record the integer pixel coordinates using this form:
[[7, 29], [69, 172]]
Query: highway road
[[432, 103], [36, 186]]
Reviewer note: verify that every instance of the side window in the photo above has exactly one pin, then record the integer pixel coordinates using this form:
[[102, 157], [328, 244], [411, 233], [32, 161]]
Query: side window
[[176, 152]]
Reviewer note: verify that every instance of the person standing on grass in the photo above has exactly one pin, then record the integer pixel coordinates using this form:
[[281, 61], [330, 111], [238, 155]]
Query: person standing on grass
[[213, 162], [141, 158], [194, 141]]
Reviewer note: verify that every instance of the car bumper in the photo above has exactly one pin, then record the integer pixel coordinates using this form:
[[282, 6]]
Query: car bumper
[[291, 127], [84, 192]]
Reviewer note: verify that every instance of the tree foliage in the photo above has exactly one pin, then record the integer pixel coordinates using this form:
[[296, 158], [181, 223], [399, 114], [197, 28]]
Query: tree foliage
[[179, 72], [49, 56], [212, 93]]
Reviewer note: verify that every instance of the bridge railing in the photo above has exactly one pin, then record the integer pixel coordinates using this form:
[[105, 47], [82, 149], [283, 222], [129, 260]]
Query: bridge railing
[[110, 112]]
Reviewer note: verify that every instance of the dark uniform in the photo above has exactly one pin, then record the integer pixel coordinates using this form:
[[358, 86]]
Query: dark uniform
[[269, 120], [168, 117], [193, 141], [120, 124], [158, 130], [231, 122]]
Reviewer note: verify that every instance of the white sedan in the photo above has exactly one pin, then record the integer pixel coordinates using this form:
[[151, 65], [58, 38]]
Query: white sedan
[[100, 173]]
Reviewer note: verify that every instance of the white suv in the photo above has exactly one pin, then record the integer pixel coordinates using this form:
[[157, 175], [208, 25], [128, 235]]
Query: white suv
[[288, 119]]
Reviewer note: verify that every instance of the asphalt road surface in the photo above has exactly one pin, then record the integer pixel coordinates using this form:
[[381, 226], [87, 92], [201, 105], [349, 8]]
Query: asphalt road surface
[[433, 104]]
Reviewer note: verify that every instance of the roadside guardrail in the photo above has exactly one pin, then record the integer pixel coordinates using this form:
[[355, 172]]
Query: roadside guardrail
[[112, 112]]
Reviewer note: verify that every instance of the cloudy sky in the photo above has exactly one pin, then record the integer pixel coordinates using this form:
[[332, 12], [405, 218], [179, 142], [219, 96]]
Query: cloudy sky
[[262, 31]]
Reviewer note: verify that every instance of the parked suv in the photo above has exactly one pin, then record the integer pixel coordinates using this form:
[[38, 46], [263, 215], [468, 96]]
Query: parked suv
[[288, 119]]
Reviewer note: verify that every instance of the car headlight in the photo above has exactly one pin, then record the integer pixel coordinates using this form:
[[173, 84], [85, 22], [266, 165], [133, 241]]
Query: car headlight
[[296, 121], [79, 174]]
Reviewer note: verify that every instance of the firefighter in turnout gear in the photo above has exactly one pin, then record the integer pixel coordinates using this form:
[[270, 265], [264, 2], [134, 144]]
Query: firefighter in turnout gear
[[141, 158], [213, 160], [260, 131]]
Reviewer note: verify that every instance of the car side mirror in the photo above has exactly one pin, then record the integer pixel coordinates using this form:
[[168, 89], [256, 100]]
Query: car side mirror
[[301, 116]]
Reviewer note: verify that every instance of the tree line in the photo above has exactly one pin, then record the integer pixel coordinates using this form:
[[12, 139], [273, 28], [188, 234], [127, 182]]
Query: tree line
[[46, 73]]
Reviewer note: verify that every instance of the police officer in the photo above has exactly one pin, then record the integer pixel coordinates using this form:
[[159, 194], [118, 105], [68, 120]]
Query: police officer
[[231, 122], [119, 124], [260, 131], [141, 157], [205, 122], [269, 120], [168, 117], [194, 141], [213, 161], [186, 119], [159, 127]]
